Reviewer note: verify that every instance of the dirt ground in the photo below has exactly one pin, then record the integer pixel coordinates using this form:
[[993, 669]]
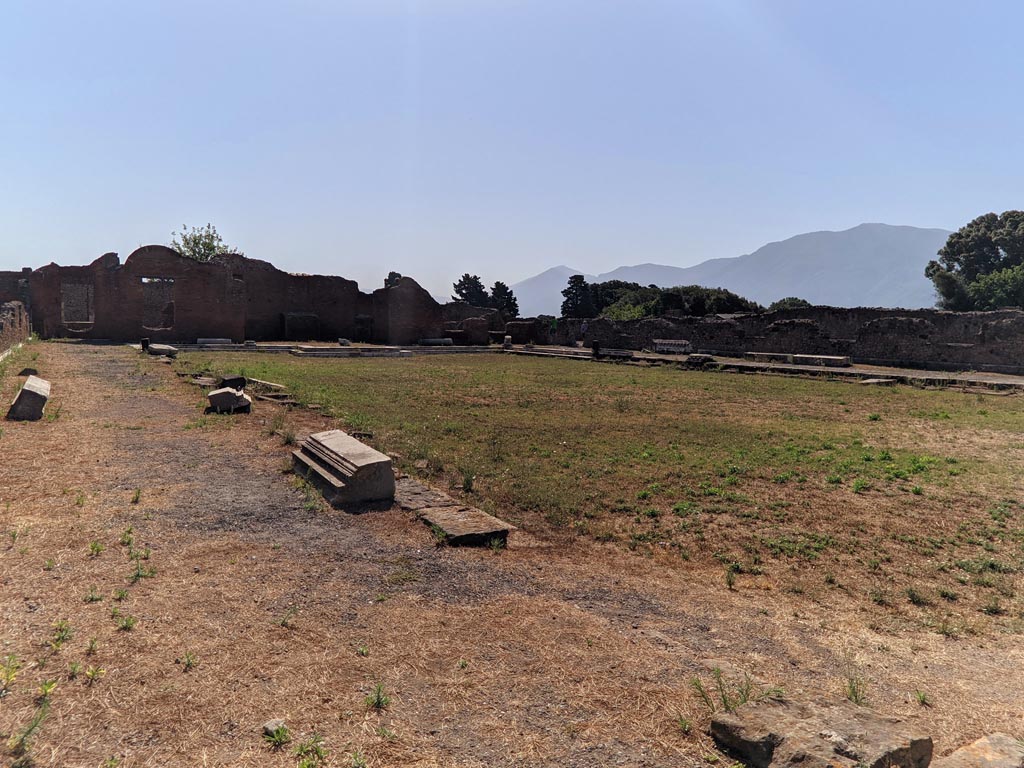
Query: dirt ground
[[556, 651]]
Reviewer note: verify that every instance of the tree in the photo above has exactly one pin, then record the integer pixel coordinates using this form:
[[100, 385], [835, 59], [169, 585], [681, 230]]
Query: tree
[[392, 279], [471, 290], [200, 243], [996, 290], [578, 301], [503, 300], [790, 302], [983, 248]]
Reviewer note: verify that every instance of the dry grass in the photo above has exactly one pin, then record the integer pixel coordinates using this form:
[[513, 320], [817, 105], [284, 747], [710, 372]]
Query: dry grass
[[561, 649]]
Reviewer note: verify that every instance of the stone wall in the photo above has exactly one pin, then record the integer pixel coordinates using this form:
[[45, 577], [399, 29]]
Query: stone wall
[[159, 294], [14, 325], [925, 338]]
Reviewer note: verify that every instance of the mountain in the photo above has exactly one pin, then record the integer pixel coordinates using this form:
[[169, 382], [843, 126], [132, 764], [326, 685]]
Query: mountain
[[871, 265], [542, 294]]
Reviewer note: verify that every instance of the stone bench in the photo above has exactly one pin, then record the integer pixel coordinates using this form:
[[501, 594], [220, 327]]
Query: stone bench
[[672, 346]]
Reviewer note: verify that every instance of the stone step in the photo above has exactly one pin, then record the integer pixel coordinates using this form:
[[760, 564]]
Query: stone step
[[466, 526]]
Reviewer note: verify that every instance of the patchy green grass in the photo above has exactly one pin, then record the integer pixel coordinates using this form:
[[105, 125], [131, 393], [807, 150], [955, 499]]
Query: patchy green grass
[[749, 469]]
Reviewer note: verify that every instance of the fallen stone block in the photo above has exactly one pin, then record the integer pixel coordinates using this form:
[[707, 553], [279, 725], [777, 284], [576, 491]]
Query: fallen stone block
[[997, 750], [345, 470], [344, 343], [233, 381], [162, 350], [838, 734], [879, 382], [227, 400], [30, 401], [213, 341], [699, 359], [466, 526]]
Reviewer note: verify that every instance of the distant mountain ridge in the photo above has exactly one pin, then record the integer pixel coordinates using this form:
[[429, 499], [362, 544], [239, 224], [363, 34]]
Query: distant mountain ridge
[[870, 265]]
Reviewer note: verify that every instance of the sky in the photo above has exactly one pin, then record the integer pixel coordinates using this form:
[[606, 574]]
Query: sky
[[498, 137]]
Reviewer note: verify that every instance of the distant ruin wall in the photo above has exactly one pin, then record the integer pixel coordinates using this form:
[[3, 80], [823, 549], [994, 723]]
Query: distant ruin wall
[[925, 338], [14, 324], [161, 295]]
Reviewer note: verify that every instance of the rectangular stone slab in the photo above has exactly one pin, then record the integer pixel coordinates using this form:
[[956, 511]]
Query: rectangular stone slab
[[30, 401], [229, 400], [466, 526], [347, 471], [166, 350]]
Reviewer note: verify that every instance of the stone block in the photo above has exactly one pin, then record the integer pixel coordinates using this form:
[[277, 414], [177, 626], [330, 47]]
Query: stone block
[[466, 526], [345, 470], [233, 381], [672, 346], [832, 734], [162, 350], [227, 400], [215, 340], [30, 401], [997, 750]]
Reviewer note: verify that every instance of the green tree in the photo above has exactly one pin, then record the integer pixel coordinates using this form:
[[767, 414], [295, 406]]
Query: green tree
[[504, 300], [995, 290], [578, 301], [471, 290], [200, 243], [790, 302], [985, 247]]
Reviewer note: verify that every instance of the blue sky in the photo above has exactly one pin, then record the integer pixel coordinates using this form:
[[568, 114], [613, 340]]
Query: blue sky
[[499, 137]]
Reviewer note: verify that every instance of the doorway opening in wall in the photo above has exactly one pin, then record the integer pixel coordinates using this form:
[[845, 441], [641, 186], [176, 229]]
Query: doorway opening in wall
[[157, 303], [77, 310]]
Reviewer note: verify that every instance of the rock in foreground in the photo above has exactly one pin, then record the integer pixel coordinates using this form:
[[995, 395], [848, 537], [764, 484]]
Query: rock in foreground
[[997, 750], [777, 733]]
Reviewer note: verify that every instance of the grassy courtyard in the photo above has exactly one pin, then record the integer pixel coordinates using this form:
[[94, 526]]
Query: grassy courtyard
[[902, 498]]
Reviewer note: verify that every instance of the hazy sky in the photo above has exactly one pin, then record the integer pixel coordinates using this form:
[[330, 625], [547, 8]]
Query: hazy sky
[[499, 137]]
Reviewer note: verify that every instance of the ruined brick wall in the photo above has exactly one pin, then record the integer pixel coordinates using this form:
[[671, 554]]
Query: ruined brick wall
[[403, 313], [14, 286], [923, 338], [269, 294], [14, 324], [156, 293], [159, 294]]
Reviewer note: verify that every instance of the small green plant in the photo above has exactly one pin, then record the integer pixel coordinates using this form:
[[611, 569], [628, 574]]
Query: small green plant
[[917, 598], [93, 596], [49, 564], [386, 733], [685, 725], [125, 623], [140, 571], [860, 485], [378, 699], [855, 688], [279, 737], [917, 490], [45, 689], [874, 417], [993, 607], [363, 651], [357, 760], [312, 750], [948, 595], [93, 645], [286, 620], [73, 669], [188, 661], [94, 674], [730, 578], [136, 496], [62, 632], [922, 698], [120, 595], [96, 548], [111, 762], [127, 537], [19, 743], [462, 664], [8, 673], [80, 499]]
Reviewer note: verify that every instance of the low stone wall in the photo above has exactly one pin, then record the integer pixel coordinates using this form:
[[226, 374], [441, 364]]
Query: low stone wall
[[929, 339], [14, 325]]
